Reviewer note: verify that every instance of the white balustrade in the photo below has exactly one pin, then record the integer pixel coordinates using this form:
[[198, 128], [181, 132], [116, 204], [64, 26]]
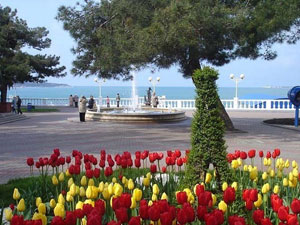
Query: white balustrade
[[184, 104]]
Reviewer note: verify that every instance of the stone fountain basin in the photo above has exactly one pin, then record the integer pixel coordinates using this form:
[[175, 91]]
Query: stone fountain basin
[[152, 115]]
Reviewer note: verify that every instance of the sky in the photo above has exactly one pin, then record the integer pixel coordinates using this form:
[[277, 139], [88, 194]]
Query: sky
[[283, 71]]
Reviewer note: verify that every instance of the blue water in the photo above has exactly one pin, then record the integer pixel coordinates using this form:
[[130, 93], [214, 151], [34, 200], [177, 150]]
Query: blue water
[[125, 92]]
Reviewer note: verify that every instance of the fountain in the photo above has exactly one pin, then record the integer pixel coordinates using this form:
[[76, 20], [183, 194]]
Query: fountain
[[136, 112]]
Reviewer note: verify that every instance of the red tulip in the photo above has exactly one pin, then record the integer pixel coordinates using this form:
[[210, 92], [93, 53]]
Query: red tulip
[[283, 213], [89, 173], [295, 206], [257, 216], [243, 155], [232, 220], [166, 218], [137, 163], [57, 220], [68, 159], [179, 162], [137, 154], [108, 171], [201, 211], [56, 152], [177, 153], [189, 211], [70, 218], [274, 155], [181, 197], [268, 155], [266, 221], [154, 213], [229, 195], [277, 151], [261, 154], [251, 153], [135, 220], [96, 172], [164, 169], [181, 216], [79, 213], [153, 168], [249, 205], [144, 211], [102, 163], [125, 200], [114, 223], [160, 156], [30, 162]]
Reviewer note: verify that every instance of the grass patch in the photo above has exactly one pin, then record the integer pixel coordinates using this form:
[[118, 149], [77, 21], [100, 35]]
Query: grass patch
[[40, 110], [6, 190]]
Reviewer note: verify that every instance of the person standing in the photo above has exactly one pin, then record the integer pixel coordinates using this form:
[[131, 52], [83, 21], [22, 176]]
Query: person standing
[[14, 104], [149, 96], [82, 108], [19, 103], [71, 101], [91, 102], [118, 100], [75, 98], [107, 102], [154, 100]]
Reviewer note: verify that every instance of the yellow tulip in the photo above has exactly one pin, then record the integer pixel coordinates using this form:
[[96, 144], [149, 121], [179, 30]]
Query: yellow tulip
[[155, 189], [61, 199], [253, 173], [114, 180], [16, 194], [94, 191], [79, 205], [154, 197], [293, 183], [110, 189], [126, 184], [234, 185], [72, 190], [88, 192], [81, 191], [61, 177], [21, 205], [191, 198], [146, 182], [294, 164], [265, 162], [264, 176], [269, 161], [101, 186], [69, 197], [133, 203], [287, 164], [130, 184], [265, 188], [124, 180], [222, 206], [42, 208], [208, 178], [54, 180], [240, 162], [52, 203], [224, 186], [214, 198], [38, 201], [245, 169], [106, 194], [285, 182], [40, 216], [89, 201], [91, 182], [272, 173], [68, 173], [83, 181], [59, 210], [291, 176], [295, 172], [150, 203], [117, 189], [164, 196], [276, 189], [148, 175], [259, 201], [279, 174], [8, 214], [83, 221], [234, 164], [70, 182], [77, 190], [137, 194]]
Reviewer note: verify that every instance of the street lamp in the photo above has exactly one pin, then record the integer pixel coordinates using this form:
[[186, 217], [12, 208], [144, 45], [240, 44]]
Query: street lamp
[[100, 82], [236, 80], [154, 82]]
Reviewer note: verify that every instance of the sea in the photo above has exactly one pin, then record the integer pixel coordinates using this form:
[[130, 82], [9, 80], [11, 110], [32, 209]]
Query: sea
[[168, 92]]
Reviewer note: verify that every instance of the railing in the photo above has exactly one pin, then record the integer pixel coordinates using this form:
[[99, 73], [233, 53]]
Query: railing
[[187, 104]]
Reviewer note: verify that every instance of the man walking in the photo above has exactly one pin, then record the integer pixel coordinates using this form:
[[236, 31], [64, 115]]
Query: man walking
[[118, 100], [19, 103]]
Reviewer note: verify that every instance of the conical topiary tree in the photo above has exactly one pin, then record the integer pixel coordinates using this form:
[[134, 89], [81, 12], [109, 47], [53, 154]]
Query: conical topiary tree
[[208, 145]]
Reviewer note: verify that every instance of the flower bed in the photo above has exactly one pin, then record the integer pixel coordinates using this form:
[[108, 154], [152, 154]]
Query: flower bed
[[145, 189]]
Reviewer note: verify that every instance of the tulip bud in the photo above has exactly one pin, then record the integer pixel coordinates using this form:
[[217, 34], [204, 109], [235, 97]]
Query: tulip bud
[[214, 198], [59, 210], [8, 214], [21, 205], [54, 180], [148, 175], [106, 194], [79, 205], [72, 191], [16, 194], [114, 180], [91, 182], [154, 197], [83, 221], [89, 201], [81, 191], [61, 199], [287, 164], [264, 176], [137, 194], [40, 216], [259, 201], [285, 182], [150, 203], [110, 188], [130, 184], [146, 182], [61, 177], [70, 182], [42, 208], [52, 203], [68, 173], [208, 178], [276, 189], [164, 196], [69, 197], [295, 172], [234, 185], [124, 180], [38, 201], [224, 186], [155, 189], [88, 192], [294, 164], [117, 189], [83, 181], [222, 206]]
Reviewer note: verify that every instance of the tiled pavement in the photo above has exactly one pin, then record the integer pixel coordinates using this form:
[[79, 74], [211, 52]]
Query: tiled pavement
[[43, 132]]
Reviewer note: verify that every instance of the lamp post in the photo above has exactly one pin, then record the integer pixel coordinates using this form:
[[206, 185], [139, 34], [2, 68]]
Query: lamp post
[[154, 82], [100, 82], [236, 80]]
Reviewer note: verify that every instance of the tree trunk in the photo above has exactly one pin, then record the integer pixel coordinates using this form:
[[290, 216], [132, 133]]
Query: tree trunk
[[224, 115], [3, 89]]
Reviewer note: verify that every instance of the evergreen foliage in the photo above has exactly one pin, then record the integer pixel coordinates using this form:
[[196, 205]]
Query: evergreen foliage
[[208, 144], [16, 65]]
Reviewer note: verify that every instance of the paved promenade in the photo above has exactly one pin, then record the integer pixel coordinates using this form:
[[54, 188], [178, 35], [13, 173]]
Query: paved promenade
[[42, 132]]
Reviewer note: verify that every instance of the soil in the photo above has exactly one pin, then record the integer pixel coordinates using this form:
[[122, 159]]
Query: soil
[[281, 121]]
